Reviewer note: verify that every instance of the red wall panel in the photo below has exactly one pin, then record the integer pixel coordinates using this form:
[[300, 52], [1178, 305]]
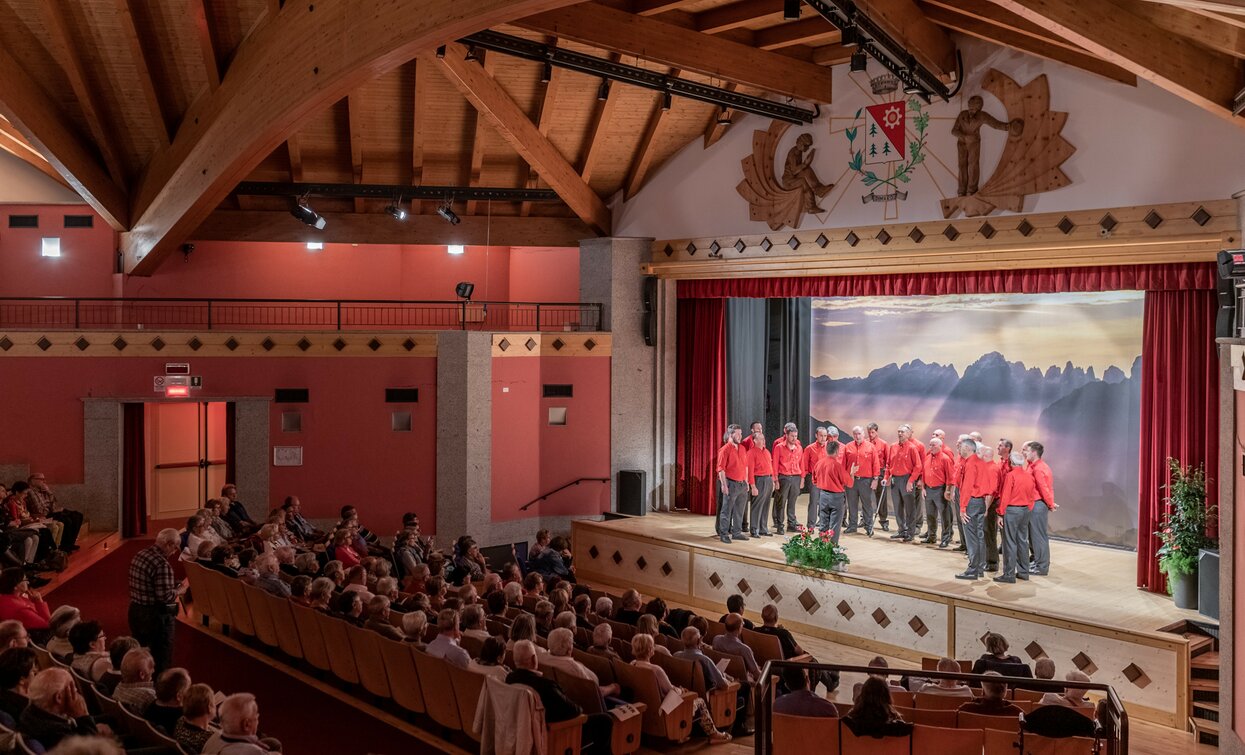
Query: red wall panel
[[86, 264], [544, 274]]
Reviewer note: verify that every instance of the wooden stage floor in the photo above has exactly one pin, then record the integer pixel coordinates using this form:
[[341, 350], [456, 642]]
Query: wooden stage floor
[[1086, 583]]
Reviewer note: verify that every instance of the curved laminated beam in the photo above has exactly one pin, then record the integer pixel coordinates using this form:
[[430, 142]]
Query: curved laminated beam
[[308, 57]]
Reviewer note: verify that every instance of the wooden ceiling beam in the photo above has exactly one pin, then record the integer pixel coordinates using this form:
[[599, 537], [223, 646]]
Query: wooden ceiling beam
[[422, 67], [1231, 7], [1226, 38], [719, 122], [812, 29], [737, 15], [12, 141], [207, 42], [372, 228], [489, 63], [1039, 44], [832, 55], [904, 22], [677, 47], [517, 129], [645, 154], [354, 120], [544, 122], [653, 7], [286, 71], [142, 69], [1204, 77], [294, 149], [601, 121], [40, 121]]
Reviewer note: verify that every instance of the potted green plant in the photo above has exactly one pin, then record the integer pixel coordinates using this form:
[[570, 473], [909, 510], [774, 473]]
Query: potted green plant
[[1182, 532], [816, 550]]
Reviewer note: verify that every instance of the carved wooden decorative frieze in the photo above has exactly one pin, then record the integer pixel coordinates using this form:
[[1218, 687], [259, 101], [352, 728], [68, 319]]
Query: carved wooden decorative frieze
[[551, 344]]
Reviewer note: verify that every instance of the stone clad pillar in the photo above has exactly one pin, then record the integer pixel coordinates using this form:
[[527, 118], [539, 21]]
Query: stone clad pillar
[[464, 433]]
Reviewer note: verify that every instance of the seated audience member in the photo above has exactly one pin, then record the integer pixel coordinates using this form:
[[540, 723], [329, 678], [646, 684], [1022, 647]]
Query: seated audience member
[[492, 583], [469, 564], [13, 635], [199, 531], [558, 707], [877, 662], [117, 650], [629, 612], [136, 690], [90, 650], [467, 594], [511, 573], [582, 605], [378, 619], [306, 563], [44, 504], [214, 507], [495, 604], [335, 571], [603, 609], [350, 516], [791, 648], [166, 709], [203, 556], [534, 584], [514, 595], [19, 602], [436, 591], [446, 643], [542, 542], [417, 581], [473, 623], [693, 650], [951, 687], [356, 581], [300, 586], [658, 610], [732, 642], [544, 617], [735, 604], [413, 625], [17, 510], [642, 650], [407, 552], [565, 620], [234, 512], [602, 636], [18, 667], [1044, 668], [991, 702], [560, 598], [224, 561], [286, 560], [269, 576], [872, 714], [320, 593], [246, 565], [56, 709], [996, 658], [552, 561], [647, 624], [239, 727], [348, 606], [193, 729], [490, 662], [388, 586], [343, 548], [1073, 697], [523, 628], [800, 700], [561, 647], [59, 624]]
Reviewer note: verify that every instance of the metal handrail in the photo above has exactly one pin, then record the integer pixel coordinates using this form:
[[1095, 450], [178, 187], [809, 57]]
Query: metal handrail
[[1110, 713], [525, 506]]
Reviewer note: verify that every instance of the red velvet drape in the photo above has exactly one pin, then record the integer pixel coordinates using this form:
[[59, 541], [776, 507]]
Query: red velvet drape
[[700, 400], [133, 472], [1179, 409]]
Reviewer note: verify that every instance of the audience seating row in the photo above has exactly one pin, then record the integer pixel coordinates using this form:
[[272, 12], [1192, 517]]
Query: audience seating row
[[792, 734]]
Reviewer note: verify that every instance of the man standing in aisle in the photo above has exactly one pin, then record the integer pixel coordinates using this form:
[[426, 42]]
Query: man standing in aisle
[[1015, 505], [831, 479], [903, 471], [732, 469], [1039, 532], [935, 479], [153, 597], [761, 482], [976, 491], [862, 459], [788, 459], [812, 455], [882, 448]]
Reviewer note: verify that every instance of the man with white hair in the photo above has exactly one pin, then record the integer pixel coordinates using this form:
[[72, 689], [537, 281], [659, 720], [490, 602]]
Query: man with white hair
[[903, 472], [473, 623], [958, 482], [269, 580], [56, 709], [1039, 533], [861, 459], [558, 707], [561, 646], [239, 728], [761, 480], [1015, 505], [976, 491], [153, 596], [812, 454], [378, 618], [788, 456], [137, 689], [732, 474], [604, 608], [994, 480], [446, 643], [936, 474], [883, 449], [1073, 697]]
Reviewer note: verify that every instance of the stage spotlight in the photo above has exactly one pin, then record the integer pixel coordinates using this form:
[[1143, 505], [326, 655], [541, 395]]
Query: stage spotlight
[[396, 211], [914, 89], [603, 91], [308, 216], [724, 118], [791, 10], [546, 72], [860, 62], [667, 100], [849, 37], [448, 214], [471, 53], [441, 52], [464, 290]]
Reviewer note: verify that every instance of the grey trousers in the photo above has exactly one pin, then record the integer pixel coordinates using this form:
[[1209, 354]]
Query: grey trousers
[[830, 515], [814, 502], [879, 498], [959, 524], [938, 508], [1039, 536], [860, 505], [731, 508], [784, 503], [992, 536], [975, 536], [759, 516], [1016, 541], [905, 500]]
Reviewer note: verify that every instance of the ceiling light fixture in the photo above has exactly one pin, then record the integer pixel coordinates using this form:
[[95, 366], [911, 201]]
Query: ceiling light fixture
[[849, 37], [790, 10], [860, 62], [315, 246], [308, 215], [396, 211], [724, 118], [471, 53], [455, 249], [446, 211], [441, 52], [546, 72], [603, 91], [667, 100]]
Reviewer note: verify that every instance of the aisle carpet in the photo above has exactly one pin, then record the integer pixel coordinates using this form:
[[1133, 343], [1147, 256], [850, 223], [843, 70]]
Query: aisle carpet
[[305, 719]]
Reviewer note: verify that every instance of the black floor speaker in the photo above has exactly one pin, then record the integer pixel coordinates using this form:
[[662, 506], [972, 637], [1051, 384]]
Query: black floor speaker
[[632, 490], [1208, 583]]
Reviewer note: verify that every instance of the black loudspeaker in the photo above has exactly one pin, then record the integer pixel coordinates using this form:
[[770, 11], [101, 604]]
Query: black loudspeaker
[[1225, 317], [650, 328], [650, 293], [291, 396], [632, 484], [401, 395], [1208, 583]]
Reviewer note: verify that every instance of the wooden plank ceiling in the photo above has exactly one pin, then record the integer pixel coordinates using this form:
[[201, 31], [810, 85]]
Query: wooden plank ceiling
[[110, 94]]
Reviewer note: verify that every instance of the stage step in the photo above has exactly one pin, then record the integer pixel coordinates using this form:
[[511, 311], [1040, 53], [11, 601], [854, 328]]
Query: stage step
[[1205, 732], [1206, 706], [1208, 685], [1208, 660]]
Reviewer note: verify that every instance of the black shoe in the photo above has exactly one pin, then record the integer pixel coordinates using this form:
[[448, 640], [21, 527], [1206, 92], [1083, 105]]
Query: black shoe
[[766, 534], [1008, 580], [886, 525], [869, 533], [944, 545], [1036, 573], [1025, 577], [929, 540], [897, 536], [753, 534], [908, 539], [992, 567], [852, 531], [1032, 567], [726, 539], [961, 549], [740, 536], [778, 532], [967, 575]]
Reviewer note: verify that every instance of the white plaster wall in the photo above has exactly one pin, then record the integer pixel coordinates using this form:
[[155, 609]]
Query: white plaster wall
[[24, 184], [1134, 146]]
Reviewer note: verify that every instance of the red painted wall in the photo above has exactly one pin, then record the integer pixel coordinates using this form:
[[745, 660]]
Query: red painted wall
[[531, 457], [86, 264], [544, 274], [350, 454]]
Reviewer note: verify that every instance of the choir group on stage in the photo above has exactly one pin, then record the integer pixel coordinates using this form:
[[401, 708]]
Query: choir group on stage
[[851, 483]]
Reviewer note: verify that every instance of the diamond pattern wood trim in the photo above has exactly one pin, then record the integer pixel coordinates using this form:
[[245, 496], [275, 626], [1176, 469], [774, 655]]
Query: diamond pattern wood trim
[[845, 610], [157, 343], [1084, 663], [232, 344], [270, 344], [82, 344], [808, 602], [1134, 674], [617, 558], [918, 626], [119, 343], [1034, 650], [593, 552], [641, 564], [666, 568], [881, 618], [773, 594], [743, 586], [5, 343], [715, 580]]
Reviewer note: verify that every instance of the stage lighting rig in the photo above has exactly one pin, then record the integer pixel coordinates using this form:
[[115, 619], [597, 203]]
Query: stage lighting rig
[[446, 211], [396, 211], [308, 215]]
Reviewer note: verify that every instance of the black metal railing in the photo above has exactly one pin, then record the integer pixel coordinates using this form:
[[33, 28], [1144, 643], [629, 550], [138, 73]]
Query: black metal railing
[[560, 488], [1109, 712], [62, 313]]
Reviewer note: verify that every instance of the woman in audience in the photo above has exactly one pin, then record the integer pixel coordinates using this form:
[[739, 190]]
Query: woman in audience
[[18, 667], [469, 563], [658, 610], [283, 537], [19, 514], [349, 606], [198, 531], [299, 587], [343, 549], [59, 624], [602, 636], [996, 658], [246, 565], [542, 542], [306, 563], [117, 650], [490, 662], [544, 618], [418, 602], [18, 601], [560, 599], [224, 561], [214, 508], [648, 625], [193, 729], [413, 625], [267, 540], [335, 571], [877, 662], [553, 561], [203, 556], [320, 593], [90, 650], [436, 591], [523, 628], [406, 552], [642, 648], [872, 715]]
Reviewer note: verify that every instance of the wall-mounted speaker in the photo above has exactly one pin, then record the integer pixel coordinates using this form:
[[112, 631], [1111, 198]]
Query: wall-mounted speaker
[[1225, 313], [401, 395], [650, 293], [291, 396], [650, 328], [557, 390]]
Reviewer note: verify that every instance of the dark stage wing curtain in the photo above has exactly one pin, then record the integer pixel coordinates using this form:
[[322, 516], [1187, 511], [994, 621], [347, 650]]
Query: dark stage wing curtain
[[747, 351], [701, 400], [1179, 408], [791, 346], [133, 472]]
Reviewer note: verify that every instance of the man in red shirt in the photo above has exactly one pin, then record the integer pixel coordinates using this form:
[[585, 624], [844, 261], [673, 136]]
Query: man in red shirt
[[812, 454], [788, 456], [862, 456], [977, 489], [880, 493], [732, 472], [936, 474], [1039, 534], [1015, 505], [746, 445], [903, 471], [994, 481], [1002, 460], [761, 479], [832, 479]]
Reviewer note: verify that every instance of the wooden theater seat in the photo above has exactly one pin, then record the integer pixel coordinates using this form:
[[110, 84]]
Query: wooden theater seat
[[978, 721], [365, 644], [434, 682], [337, 643], [200, 597], [399, 660], [850, 744], [287, 631], [261, 615], [931, 717], [625, 735], [310, 638], [214, 582], [238, 607], [641, 684], [947, 741], [793, 735], [467, 686], [930, 701]]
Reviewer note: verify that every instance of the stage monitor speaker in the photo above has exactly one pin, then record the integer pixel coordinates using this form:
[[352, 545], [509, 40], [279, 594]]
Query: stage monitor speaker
[[632, 484], [1225, 317], [1208, 583]]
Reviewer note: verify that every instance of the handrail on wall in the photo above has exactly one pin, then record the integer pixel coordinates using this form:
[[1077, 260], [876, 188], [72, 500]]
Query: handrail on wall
[[525, 506]]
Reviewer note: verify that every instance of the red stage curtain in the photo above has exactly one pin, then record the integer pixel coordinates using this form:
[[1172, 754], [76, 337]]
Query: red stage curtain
[[1168, 277], [133, 473], [701, 400], [1179, 408]]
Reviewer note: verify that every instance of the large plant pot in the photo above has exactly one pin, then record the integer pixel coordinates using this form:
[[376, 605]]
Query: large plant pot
[[1184, 590]]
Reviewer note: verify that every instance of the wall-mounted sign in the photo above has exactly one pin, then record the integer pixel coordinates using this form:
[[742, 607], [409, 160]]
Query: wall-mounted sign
[[287, 456]]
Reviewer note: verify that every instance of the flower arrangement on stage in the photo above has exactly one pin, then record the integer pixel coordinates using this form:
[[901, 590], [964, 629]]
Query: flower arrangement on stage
[[1182, 530], [815, 549]]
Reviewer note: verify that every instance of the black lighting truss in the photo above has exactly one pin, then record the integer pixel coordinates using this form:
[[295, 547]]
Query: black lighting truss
[[636, 76], [394, 191], [894, 57]]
